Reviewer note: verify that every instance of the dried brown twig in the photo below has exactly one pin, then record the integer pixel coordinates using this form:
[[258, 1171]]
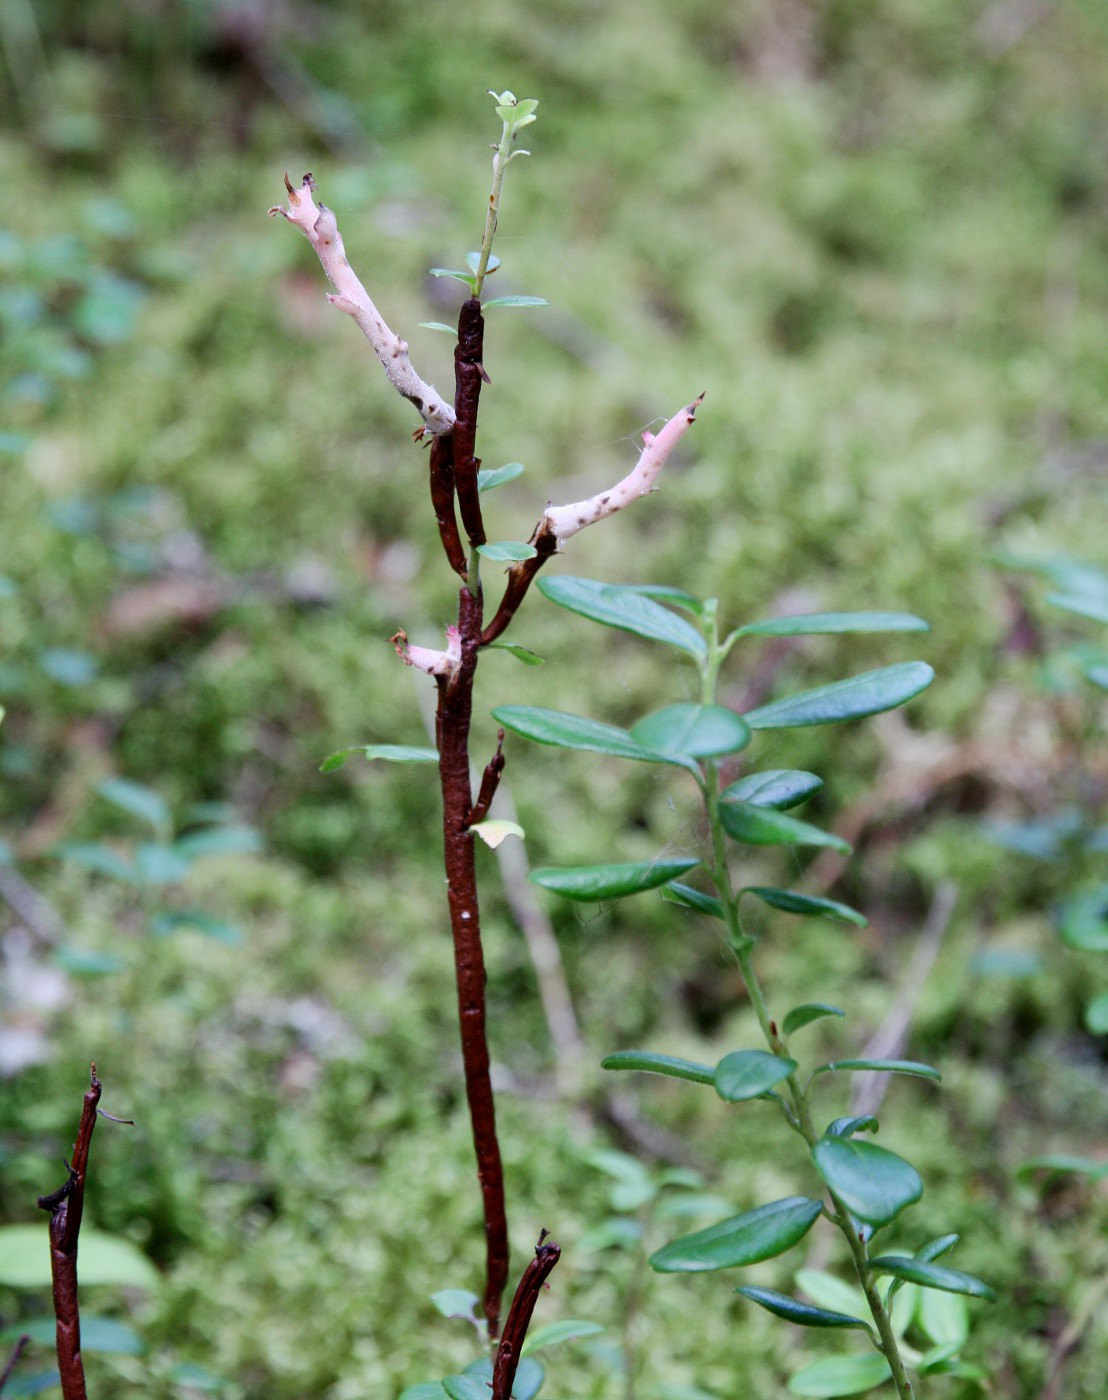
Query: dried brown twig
[[510, 1350]]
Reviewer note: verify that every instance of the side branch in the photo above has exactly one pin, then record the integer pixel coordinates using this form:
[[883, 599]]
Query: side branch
[[560, 523], [490, 781], [519, 1317], [66, 1206], [442, 501], [318, 225], [469, 374]]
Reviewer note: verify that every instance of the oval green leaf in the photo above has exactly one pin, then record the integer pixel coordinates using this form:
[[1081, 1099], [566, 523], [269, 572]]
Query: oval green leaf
[[438, 326], [792, 1310], [747, 1074], [514, 301], [456, 1302], [465, 1388], [912, 1067], [588, 883], [585, 735], [498, 476], [809, 906], [102, 1334], [507, 551], [840, 1375], [666, 594], [874, 1183], [625, 609], [689, 898], [25, 1259], [650, 1063], [554, 1332], [929, 1275], [391, 753], [764, 826], [139, 801], [473, 262], [1084, 921], [744, 1239], [806, 1014], [529, 658], [867, 694], [776, 787], [698, 731], [1096, 1015], [815, 624], [471, 282]]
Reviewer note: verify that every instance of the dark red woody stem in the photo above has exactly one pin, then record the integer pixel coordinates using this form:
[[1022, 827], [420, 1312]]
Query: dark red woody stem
[[469, 373], [510, 1350]]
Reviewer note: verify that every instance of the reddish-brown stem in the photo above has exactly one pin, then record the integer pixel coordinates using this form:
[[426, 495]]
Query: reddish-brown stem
[[519, 1317], [452, 722], [13, 1360], [469, 373], [66, 1206], [490, 781], [519, 581], [442, 499]]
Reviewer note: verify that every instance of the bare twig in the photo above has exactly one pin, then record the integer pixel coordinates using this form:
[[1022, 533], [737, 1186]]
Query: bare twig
[[13, 1360], [519, 1317]]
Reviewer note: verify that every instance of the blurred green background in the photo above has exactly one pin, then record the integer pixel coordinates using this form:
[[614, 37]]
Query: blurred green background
[[874, 232]]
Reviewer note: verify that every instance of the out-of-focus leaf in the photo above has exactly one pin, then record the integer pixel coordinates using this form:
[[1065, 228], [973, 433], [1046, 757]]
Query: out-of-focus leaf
[[173, 921], [588, 883], [25, 1259], [136, 799], [650, 1063], [391, 753], [840, 1375], [94, 856], [815, 624], [507, 551], [1084, 921], [568, 1330]]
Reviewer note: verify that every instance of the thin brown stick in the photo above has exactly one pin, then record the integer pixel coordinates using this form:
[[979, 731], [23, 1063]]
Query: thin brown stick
[[66, 1206], [510, 1350], [13, 1360], [442, 499], [490, 782], [519, 581]]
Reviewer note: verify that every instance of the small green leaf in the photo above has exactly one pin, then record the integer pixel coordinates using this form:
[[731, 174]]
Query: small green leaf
[[514, 301], [698, 731], [1096, 1015], [219, 929], [764, 826], [102, 1334], [1084, 921], [465, 1388], [528, 658], [625, 609], [747, 1074], [814, 624], [847, 1127], [25, 1259], [456, 1302], [936, 1248], [392, 753], [424, 1390], [507, 551], [1064, 1162], [439, 326], [69, 666], [156, 864], [808, 905], [867, 694], [496, 830], [466, 277], [585, 735], [554, 1332], [944, 1317], [689, 898], [832, 1293], [663, 593], [94, 856], [776, 787], [792, 1310], [874, 1183], [806, 1014], [499, 476], [912, 1067], [232, 840], [134, 798], [473, 262], [589, 883], [744, 1239], [840, 1375], [931, 1275], [1084, 605], [651, 1063]]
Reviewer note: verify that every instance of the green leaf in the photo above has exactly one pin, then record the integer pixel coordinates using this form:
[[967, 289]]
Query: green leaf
[[1084, 605], [1096, 1015], [776, 787], [392, 753], [912, 1067], [663, 593], [792, 1310], [1064, 1162], [931, 1275], [1084, 921], [867, 694], [625, 609], [439, 326], [69, 666], [465, 1388], [764, 826], [808, 905], [172, 922], [156, 864], [456, 1302], [473, 262], [840, 1375], [499, 476], [874, 1183], [528, 658], [507, 551], [94, 856], [588, 883], [102, 1334], [698, 731], [744, 1239], [943, 1317], [814, 624], [651, 1063], [555, 1332], [747, 1074], [19, 1387], [219, 841], [424, 1390], [25, 1259], [139, 801], [935, 1248], [832, 1293], [514, 301], [847, 1127], [689, 898], [84, 962], [585, 735], [806, 1014], [466, 277]]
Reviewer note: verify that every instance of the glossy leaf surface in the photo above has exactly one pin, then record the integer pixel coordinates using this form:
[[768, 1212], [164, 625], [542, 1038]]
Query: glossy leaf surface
[[808, 906], [698, 731], [875, 1183], [776, 787], [671, 1065], [815, 624], [563, 731], [747, 1074], [688, 898], [793, 1310], [868, 694], [391, 753], [623, 608], [806, 1014], [498, 476], [507, 551], [931, 1275], [588, 883], [764, 826], [744, 1239]]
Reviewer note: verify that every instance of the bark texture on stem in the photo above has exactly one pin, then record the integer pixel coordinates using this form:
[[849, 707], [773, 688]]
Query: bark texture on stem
[[519, 1317], [452, 722], [66, 1206], [469, 374]]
